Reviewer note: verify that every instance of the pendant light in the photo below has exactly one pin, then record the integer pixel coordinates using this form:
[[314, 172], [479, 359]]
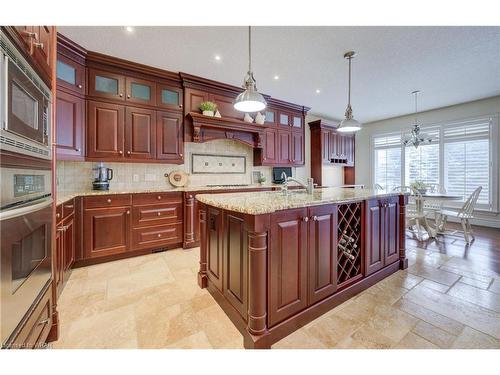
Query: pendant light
[[415, 138], [249, 100], [349, 124]]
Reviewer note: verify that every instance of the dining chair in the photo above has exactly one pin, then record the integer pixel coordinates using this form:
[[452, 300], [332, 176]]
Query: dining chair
[[434, 206], [415, 215], [465, 214], [378, 187]]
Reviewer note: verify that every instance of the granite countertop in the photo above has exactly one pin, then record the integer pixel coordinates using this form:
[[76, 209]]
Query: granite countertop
[[256, 203], [65, 196]]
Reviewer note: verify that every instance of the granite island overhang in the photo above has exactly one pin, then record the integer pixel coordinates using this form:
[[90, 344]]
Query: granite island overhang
[[274, 262]]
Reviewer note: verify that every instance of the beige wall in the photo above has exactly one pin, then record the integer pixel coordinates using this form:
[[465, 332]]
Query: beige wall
[[364, 157]]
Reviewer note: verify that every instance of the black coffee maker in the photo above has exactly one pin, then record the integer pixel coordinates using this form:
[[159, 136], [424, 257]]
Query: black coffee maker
[[102, 176]]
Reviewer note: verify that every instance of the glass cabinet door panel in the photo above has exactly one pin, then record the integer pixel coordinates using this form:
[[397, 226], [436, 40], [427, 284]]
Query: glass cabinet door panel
[[297, 122], [140, 91], [169, 97], [66, 72], [283, 119], [107, 85], [270, 116]]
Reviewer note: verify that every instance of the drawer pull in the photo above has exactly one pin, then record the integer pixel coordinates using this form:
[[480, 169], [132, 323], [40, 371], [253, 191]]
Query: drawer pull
[[43, 322], [70, 206], [159, 213], [108, 200], [79, 86], [159, 235], [128, 212], [159, 197], [58, 215]]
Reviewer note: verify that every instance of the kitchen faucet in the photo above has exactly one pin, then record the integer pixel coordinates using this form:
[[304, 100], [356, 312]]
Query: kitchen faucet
[[309, 185]]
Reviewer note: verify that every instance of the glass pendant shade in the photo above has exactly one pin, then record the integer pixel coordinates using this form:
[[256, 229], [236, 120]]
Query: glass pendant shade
[[349, 124]]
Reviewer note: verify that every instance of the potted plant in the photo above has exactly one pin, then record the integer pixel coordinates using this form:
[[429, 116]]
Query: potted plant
[[262, 179], [208, 108], [420, 186]]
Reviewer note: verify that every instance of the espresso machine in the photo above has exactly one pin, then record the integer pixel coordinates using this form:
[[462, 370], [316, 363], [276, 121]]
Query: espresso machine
[[102, 176]]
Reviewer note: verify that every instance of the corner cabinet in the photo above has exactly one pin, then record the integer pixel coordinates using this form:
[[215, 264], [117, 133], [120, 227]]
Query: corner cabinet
[[382, 228], [169, 137]]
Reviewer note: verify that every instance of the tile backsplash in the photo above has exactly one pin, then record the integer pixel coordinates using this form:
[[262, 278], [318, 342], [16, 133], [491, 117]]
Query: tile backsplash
[[77, 176]]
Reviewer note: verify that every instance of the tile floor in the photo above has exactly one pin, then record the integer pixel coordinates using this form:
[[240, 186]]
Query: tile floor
[[154, 301]]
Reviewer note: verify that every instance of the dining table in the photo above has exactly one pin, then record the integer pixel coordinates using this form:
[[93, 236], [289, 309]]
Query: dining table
[[433, 201]]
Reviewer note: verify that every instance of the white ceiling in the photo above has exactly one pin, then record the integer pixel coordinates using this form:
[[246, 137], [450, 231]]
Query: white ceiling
[[450, 65]]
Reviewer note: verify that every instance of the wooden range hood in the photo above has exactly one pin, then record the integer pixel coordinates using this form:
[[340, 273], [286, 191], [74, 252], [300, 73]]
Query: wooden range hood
[[206, 128]]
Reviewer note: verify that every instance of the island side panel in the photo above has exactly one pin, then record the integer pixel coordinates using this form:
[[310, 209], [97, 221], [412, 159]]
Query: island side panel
[[202, 273], [403, 261]]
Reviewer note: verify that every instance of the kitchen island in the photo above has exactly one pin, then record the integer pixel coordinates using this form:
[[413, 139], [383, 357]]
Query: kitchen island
[[275, 261]]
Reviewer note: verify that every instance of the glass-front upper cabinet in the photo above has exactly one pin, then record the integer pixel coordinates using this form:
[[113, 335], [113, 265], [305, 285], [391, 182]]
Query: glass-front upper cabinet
[[168, 96], [270, 117], [297, 122], [284, 119], [141, 91], [70, 74], [106, 84]]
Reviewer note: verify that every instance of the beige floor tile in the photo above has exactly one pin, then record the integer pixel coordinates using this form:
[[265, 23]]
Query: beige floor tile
[[434, 274], [401, 279], [477, 296], [495, 287], [413, 341], [198, 340], [476, 283], [81, 306], [366, 338], [434, 334], [221, 332], [467, 265], [429, 316], [472, 339], [434, 285], [392, 322], [299, 340], [469, 274], [465, 312], [330, 330]]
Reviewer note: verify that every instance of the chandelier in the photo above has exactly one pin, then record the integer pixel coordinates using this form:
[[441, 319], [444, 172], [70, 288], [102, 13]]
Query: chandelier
[[416, 138]]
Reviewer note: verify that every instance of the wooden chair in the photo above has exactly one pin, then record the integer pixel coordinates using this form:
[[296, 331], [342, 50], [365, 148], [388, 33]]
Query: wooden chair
[[415, 216], [465, 214], [435, 206]]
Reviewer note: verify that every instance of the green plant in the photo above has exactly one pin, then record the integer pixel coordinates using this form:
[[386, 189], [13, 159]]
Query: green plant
[[208, 106], [262, 179], [419, 185]]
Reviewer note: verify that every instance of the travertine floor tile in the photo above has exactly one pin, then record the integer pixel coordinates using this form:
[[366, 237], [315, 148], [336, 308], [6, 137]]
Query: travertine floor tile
[[472, 339], [413, 341], [331, 330], [495, 287], [469, 274], [477, 296], [198, 340], [299, 340], [476, 283], [434, 334], [434, 274], [434, 285]]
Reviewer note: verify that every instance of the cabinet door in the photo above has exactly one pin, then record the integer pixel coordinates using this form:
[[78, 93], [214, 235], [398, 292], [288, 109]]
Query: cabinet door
[[374, 250], [271, 117], [140, 133], [284, 119], [297, 122], [168, 97], [322, 252], [106, 231], [284, 141], [169, 136], [391, 226], [214, 246], [105, 130], [42, 47], [70, 75], [59, 261], [69, 244], [70, 119], [297, 148], [333, 144], [325, 146], [106, 84], [140, 91], [287, 265], [193, 98], [225, 106], [270, 146]]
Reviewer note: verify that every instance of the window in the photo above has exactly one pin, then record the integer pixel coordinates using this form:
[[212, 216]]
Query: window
[[460, 158], [467, 163], [388, 161], [422, 163]]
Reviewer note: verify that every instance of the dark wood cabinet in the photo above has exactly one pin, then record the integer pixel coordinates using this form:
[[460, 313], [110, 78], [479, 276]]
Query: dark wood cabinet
[[42, 47], [169, 97], [70, 75], [105, 130], [140, 133], [106, 231], [69, 245], [105, 84], [59, 259], [64, 244], [214, 247], [284, 119], [193, 98], [70, 131], [169, 137], [225, 106], [284, 147], [322, 252], [140, 91], [287, 287], [382, 228], [271, 147], [297, 148]]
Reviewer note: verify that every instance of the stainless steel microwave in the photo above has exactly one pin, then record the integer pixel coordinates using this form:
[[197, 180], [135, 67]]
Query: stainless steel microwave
[[25, 105]]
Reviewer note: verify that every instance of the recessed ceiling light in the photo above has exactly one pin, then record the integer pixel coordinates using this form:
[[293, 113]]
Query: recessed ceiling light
[[129, 29], [217, 58], [276, 77], [318, 91]]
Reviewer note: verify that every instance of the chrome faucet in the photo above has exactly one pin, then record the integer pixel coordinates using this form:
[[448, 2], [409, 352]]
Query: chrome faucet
[[309, 185]]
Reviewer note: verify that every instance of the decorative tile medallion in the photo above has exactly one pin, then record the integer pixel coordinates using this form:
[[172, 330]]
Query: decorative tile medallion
[[218, 164]]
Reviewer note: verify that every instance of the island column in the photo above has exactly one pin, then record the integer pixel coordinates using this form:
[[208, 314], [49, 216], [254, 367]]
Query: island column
[[403, 261], [202, 273]]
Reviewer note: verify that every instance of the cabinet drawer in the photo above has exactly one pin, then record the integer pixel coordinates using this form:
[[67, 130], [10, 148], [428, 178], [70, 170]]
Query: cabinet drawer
[[108, 201], [68, 208], [156, 236], [156, 198], [37, 327], [156, 214]]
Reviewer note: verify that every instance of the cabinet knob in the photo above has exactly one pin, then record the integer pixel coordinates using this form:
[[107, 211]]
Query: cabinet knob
[[120, 152], [128, 152], [79, 86], [121, 95], [180, 155], [128, 212], [128, 96], [77, 149], [315, 218], [58, 215], [159, 214], [108, 200], [305, 219], [180, 105], [159, 197], [159, 235]]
